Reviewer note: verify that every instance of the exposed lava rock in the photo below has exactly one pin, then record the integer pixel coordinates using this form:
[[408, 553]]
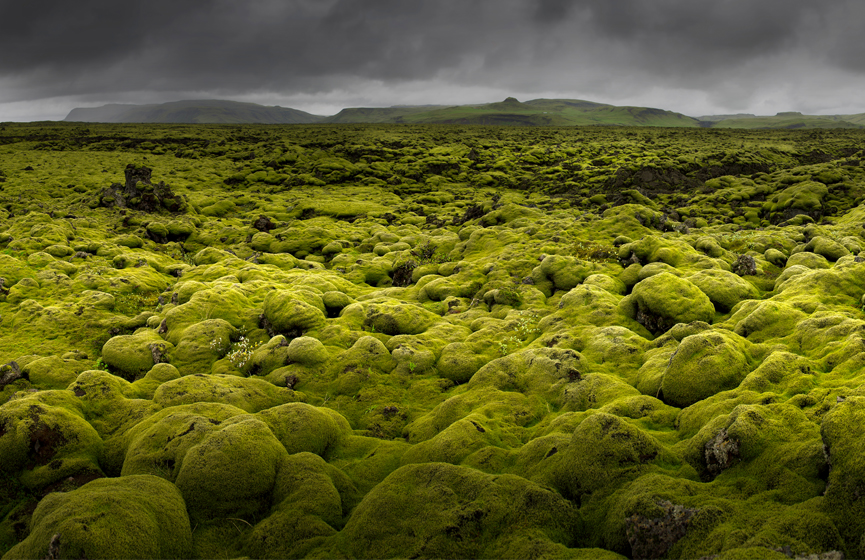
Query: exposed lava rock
[[140, 194]]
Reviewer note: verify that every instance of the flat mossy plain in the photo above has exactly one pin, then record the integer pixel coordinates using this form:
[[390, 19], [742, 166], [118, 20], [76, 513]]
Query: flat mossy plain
[[433, 341]]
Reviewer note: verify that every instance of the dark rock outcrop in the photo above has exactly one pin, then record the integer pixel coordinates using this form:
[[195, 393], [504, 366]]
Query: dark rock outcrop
[[9, 373], [140, 194], [721, 452], [263, 223], [653, 537], [745, 266]]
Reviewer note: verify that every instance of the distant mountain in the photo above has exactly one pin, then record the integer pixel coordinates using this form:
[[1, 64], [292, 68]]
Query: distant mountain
[[791, 120], [510, 112], [538, 112], [376, 114], [716, 118], [198, 112]]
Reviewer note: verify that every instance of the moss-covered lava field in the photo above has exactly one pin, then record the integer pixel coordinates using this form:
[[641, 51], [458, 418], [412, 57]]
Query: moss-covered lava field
[[368, 341]]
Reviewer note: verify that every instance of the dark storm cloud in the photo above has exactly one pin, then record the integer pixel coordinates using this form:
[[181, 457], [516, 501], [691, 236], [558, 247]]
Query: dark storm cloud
[[703, 32], [93, 49]]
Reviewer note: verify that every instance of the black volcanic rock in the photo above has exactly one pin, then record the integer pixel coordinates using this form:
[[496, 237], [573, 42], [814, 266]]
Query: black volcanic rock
[[140, 194]]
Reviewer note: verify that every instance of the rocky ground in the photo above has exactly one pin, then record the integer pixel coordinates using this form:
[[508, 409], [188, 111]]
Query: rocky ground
[[375, 342]]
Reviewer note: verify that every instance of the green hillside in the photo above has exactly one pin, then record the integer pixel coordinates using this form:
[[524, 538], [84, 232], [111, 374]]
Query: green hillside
[[791, 120], [552, 112], [375, 115]]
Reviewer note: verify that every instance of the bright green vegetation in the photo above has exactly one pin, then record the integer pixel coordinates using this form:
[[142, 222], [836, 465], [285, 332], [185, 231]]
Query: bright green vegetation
[[793, 120], [545, 112], [431, 341]]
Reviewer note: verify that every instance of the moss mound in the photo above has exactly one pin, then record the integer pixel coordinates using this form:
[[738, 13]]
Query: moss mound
[[130, 517], [704, 364], [444, 510], [663, 300]]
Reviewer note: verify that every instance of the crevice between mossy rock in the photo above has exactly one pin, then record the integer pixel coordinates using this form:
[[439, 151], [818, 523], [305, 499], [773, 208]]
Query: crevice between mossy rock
[[651, 538]]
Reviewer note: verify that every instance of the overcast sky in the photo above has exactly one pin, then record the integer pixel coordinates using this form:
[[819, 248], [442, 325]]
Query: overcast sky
[[692, 56]]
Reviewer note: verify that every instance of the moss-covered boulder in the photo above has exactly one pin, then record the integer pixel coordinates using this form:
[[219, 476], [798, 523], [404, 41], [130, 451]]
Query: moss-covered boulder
[[842, 431], [805, 259], [663, 300], [261, 359], [158, 444], [201, 345], [762, 443], [458, 362], [604, 450], [724, 288], [441, 510], [45, 438], [759, 321], [564, 272], [389, 316], [232, 471], [308, 505], [705, 364], [805, 197], [249, 394], [305, 428], [54, 372], [293, 312], [307, 351], [829, 248], [132, 356], [130, 517], [367, 353]]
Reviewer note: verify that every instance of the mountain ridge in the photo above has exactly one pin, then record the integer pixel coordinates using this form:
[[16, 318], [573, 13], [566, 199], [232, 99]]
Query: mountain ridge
[[510, 112]]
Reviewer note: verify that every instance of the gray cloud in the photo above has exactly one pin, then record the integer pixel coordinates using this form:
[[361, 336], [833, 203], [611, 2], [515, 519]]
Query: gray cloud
[[728, 53]]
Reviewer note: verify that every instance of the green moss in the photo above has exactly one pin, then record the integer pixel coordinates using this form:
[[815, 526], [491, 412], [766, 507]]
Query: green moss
[[724, 288], [703, 365], [826, 247], [759, 321], [782, 373], [517, 327], [54, 372], [588, 304], [389, 316], [841, 286], [45, 439], [840, 431], [158, 444], [133, 355], [604, 450], [805, 259], [201, 345], [109, 401], [409, 514], [650, 376], [130, 517], [663, 300], [595, 390], [308, 507], [307, 351], [458, 362], [304, 428], [232, 471], [565, 272], [250, 394], [293, 312], [805, 195]]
